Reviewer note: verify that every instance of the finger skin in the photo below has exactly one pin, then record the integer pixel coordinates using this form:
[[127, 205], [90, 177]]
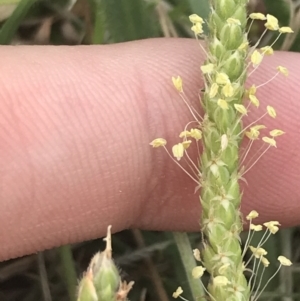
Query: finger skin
[[76, 123]]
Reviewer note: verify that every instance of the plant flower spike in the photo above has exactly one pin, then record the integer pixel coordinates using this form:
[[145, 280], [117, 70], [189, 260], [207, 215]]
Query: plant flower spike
[[102, 281], [223, 161]]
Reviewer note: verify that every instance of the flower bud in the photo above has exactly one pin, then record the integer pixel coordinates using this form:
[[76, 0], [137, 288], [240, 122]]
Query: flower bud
[[102, 281], [231, 36]]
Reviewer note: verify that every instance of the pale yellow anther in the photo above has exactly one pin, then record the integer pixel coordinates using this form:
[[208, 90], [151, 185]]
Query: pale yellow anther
[[241, 109], [177, 82], [270, 141], [178, 151], [271, 111], [285, 29], [257, 16], [197, 28], [206, 69], [213, 90], [228, 90], [276, 133], [178, 292], [198, 272], [194, 18], [158, 142], [254, 100], [220, 281], [233, 21], [265, 261], [252, 215], [222, 103], [252, 90], [224, 268], [196, 134], [256, 228], [243, 46], [267, 50], [284, 261], [272, 23], [272, 226], [258, 252], [197, 255], [185, 134], [256, 58], [222, 78], [224, 142], [283, 70], [186, 144]]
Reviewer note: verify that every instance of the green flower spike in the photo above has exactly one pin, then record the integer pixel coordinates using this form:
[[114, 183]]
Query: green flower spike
[[102, 281]]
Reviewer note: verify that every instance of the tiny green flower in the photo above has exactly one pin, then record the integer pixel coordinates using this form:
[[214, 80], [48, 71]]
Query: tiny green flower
[[222, 270], [234, 21], [86, 290], [220, 281], [102, 281]]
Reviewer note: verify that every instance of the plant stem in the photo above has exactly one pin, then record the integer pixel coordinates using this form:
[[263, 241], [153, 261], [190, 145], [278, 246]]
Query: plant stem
[[70, 276], [11, 25]]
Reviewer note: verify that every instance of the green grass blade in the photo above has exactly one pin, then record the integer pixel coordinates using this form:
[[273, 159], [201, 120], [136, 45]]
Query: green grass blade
[[11, 25]]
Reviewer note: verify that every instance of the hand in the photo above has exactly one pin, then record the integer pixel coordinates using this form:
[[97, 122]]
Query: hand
[[76, 123]]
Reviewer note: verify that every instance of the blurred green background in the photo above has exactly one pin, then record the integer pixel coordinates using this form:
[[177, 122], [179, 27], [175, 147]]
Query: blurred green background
[[151, 259]]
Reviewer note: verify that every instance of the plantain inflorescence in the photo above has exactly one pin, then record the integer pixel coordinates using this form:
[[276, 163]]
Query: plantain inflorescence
[[221, 165], [101, 281]]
